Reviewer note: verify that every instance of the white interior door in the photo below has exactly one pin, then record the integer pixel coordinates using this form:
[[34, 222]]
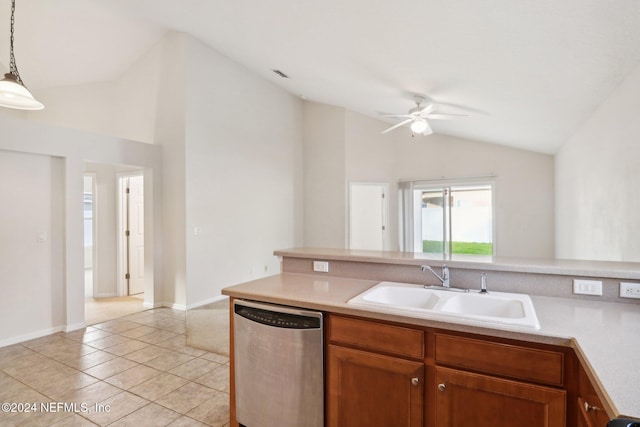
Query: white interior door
[[368, 216], [136, 234]]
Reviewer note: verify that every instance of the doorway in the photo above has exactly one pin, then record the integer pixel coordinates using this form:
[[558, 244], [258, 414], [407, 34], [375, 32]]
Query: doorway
[[89, 223], [368, 216], [106, 294], [131, 232]]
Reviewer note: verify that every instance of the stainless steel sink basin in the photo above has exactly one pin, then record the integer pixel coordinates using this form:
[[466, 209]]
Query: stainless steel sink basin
[[415, 301]]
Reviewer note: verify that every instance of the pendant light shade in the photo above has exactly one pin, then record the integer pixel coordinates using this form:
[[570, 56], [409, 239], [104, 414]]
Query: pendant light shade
[[13, 93]]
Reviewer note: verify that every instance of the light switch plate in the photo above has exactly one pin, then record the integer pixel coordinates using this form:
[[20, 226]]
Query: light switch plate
[[587, 287]]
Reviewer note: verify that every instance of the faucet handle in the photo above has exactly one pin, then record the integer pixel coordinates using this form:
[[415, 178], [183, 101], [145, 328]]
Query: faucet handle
[[483, 283]]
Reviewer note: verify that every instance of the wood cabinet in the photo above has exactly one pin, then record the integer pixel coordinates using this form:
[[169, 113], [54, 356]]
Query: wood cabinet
[[372, 390], [372, 380], [493, 384], [590, 409], [469, 399], [384, 374]]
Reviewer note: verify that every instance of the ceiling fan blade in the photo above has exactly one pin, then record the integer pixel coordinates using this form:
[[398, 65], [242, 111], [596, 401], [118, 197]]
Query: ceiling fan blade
[[438, 116], [402, 123], [428, 130], [427, 109], [395, 115]]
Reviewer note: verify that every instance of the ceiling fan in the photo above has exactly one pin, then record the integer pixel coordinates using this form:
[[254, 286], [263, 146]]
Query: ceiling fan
[[419, 114]]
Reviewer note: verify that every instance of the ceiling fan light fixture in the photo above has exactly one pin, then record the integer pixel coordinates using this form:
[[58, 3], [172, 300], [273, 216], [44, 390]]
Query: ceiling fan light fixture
[[419, 125], [13, 93]]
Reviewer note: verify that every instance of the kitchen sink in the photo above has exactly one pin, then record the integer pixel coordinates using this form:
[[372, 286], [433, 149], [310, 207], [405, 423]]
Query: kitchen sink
[[508, 309], [477, 304], [396, 294]]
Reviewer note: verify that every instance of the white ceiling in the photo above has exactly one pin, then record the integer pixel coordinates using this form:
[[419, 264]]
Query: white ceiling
[[528, 71]]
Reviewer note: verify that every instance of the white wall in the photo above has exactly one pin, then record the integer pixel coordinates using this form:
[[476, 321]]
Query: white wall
[[598, 182], [325, 202], [170, 134], [523, 184], [369, 158], [125, 107], [31, 280], [243, 173], [50, 161]]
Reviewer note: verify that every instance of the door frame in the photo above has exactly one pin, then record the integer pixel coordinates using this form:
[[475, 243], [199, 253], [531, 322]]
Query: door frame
[[94, 229]]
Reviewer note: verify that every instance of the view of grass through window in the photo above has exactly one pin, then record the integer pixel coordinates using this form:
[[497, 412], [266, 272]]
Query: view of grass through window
[[459, 216], [476, 248]]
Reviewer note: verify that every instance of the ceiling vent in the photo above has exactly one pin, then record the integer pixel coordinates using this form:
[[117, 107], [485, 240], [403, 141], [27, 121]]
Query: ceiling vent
[[281, 74]]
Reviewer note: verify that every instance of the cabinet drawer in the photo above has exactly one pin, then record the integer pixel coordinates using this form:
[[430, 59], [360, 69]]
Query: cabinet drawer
[[524, 363], [375, 336]]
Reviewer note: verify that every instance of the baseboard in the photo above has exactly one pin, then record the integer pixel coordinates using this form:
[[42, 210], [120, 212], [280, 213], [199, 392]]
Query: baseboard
[[177, 306], [75, 327], [207, 301], [148, 305], [30, 336]]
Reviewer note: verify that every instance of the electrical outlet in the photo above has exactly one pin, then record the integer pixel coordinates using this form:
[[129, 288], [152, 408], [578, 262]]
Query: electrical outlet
[[321, 266], [629, 290], [587, 287]]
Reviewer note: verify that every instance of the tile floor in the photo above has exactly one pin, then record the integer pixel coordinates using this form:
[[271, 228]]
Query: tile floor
[[132, 371]]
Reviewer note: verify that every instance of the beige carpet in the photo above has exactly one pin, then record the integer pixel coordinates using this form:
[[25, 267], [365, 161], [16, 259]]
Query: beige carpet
[[208, 327]]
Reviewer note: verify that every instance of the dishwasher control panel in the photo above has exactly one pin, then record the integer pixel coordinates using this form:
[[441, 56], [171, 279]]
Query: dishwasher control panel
[[277, 319]]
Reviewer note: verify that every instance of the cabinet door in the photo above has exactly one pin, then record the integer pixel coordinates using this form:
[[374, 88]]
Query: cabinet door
[[466, 399], [590, 409], [371, 390]]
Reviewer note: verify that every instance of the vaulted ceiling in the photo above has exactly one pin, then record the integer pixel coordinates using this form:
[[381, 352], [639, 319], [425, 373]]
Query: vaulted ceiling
[[526, 72]]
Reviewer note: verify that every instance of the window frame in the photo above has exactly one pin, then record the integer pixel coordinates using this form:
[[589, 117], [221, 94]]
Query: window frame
[[408, 208]]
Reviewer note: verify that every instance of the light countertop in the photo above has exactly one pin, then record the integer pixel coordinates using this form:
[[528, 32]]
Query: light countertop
[[604, 335], [610, 269]]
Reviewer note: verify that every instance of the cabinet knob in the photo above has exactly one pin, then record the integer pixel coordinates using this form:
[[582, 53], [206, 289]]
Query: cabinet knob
[[415, 381], [590, 408], [442, 387]]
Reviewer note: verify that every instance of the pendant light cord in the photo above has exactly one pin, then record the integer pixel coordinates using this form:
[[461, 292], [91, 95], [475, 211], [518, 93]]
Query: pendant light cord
[[13, 68]]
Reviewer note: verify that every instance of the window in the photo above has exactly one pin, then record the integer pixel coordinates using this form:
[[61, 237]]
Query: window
[[456, 218]]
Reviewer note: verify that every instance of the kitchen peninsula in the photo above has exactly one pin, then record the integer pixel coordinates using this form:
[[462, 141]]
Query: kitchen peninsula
[[588, 341]]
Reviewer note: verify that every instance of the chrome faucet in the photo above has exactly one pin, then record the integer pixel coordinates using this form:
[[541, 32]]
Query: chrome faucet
[[445, 274]]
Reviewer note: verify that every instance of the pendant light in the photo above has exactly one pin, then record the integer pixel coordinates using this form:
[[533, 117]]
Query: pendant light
[[13, 93]]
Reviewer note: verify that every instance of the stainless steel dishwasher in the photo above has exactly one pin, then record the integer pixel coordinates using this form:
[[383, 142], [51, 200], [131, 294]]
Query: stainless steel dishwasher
[[279, 366]]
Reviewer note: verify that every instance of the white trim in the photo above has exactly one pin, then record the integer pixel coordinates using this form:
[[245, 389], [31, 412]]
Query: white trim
[[30, 336], [75, 327], [94, 228]]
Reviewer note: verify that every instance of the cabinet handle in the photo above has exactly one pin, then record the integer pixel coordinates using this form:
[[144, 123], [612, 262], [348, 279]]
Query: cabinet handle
[[442, 387], [590, 408], [415, 381]]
